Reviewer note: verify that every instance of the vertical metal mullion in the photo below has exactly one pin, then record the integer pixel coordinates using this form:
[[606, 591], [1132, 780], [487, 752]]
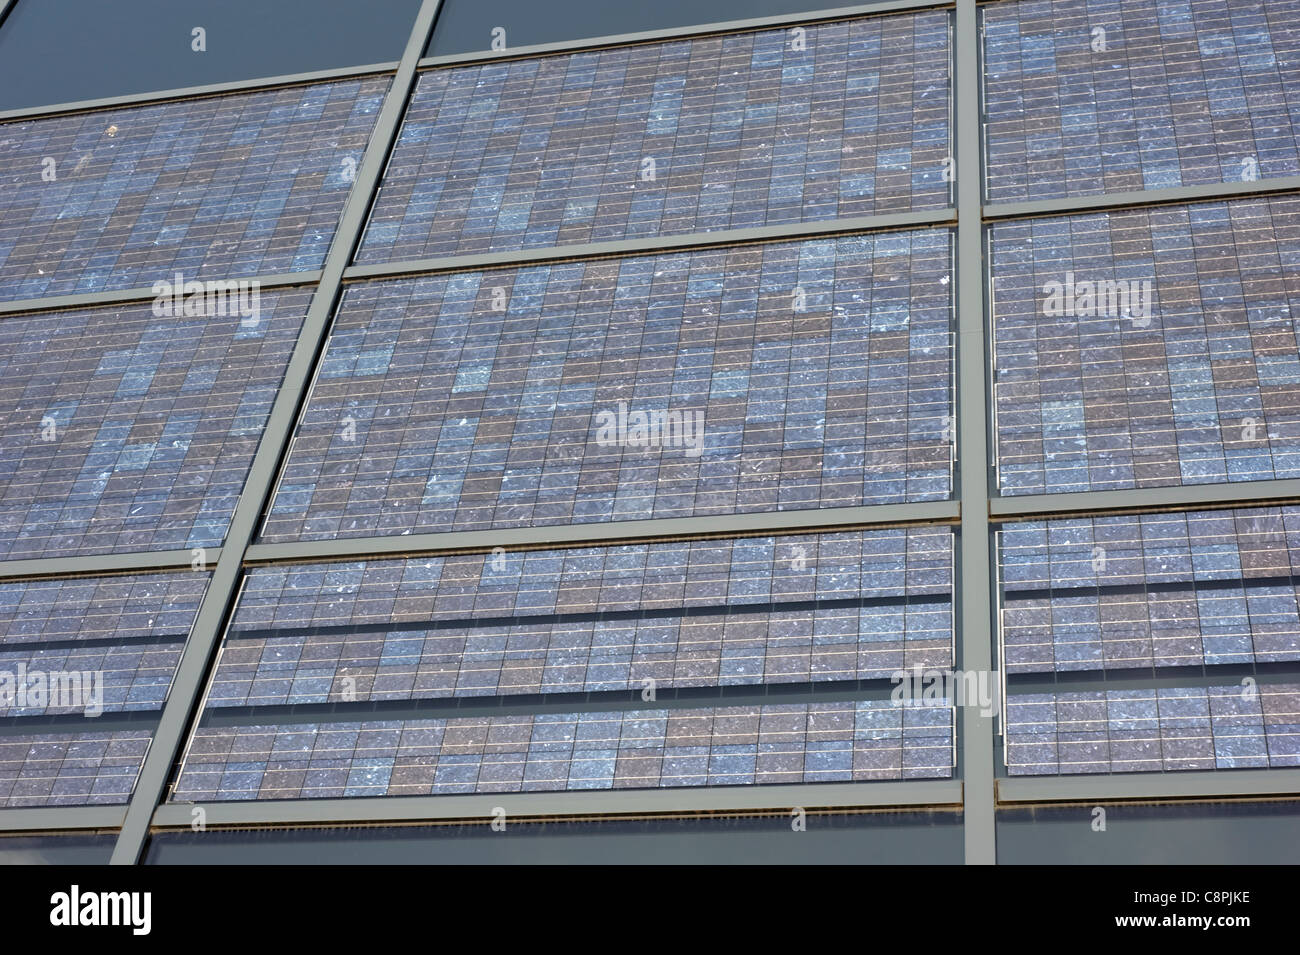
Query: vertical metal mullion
[[975, 647], [191, 674]]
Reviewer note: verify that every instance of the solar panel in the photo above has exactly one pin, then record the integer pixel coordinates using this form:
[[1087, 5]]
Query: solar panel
[[1148, 347], [721, 132], [237, 185], [1154, 730], [72, 650], [822, 742], [844, 606], [787, 376], [1133, 591], [82, 768], [1114, 96], [123, 431]]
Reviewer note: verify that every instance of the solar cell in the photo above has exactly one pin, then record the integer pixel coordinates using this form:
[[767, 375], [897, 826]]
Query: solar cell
[[786, 376], [844, 606], [1132, 591], [720, 132], [824, 742], [125, 430], [1147, 347], [216, 187], [1121, 95]]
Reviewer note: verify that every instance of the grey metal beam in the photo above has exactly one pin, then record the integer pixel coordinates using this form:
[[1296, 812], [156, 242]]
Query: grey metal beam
[[1147, 197], [936, 793], [103, 563], [975, 642], [1120, 787], [60, 818], [676, 33], [189, 92], [187, 685], [664, 243], [595, 533], [1241, 493], [118, 296]]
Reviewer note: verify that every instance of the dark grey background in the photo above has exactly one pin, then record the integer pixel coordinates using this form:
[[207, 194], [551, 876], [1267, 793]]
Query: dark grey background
[[907, 837], [61, 51]]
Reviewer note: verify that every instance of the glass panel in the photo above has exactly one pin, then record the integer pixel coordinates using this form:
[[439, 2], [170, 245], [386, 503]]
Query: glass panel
[[1153, 730], [63, 849], [1133, 591], [466, 26], [821, 742], [664, 139], [123, 429], [211, 188], [72, 651], [1148, 347], [779, 377], [893, 837], [1083, 99], [844, 606]]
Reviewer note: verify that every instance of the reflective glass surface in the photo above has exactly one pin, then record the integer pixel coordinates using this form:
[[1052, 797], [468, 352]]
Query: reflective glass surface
[[787, 376], [721, 132], [223, 186], [1120, 95], [125, 430]]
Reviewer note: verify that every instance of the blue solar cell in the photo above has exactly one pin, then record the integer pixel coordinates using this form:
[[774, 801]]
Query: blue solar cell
[[726, 746], [81, 768], [1121, 95], [84, 647], [1154, 730], [125, 430], [1147, 347], [829, 607], [237, 185], [661, 139], [1179, 589], [779, 377]]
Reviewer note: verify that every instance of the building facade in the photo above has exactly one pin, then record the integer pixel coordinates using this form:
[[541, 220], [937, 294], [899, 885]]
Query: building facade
[[740, 432]]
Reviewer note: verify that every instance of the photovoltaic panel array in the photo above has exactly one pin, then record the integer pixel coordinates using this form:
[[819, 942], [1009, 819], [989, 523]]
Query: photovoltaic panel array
[[844, 606], [125, 430], [1152, 590], [78, 768], [1121, 95], [796, 743], [788, 376], [1148, 348], [72, 650], [217, 187], [723, 132], [1154, 730]]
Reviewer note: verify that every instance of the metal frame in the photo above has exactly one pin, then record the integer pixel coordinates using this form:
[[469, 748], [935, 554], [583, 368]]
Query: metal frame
[[975, 648], [104, 564], [982, 785], [191, 673], [929, 793]]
